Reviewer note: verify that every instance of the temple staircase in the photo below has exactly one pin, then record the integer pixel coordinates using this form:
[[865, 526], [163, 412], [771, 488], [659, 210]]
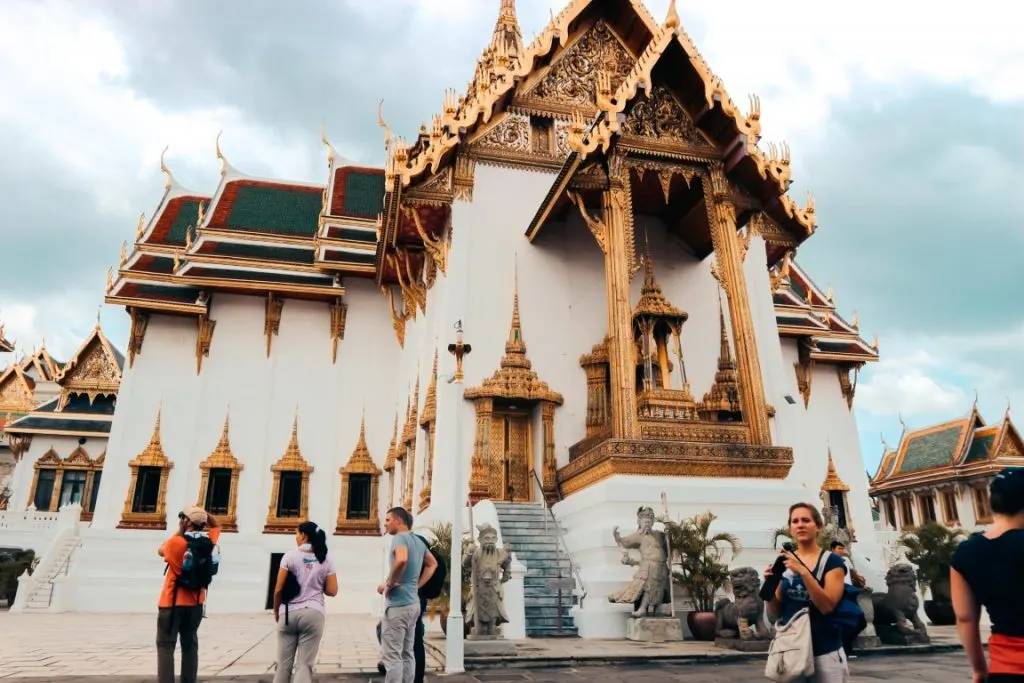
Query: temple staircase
[[55, 563], [550, 585]]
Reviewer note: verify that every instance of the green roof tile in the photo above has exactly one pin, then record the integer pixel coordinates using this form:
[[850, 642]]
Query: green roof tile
[[276, 210], [188, 215], [931, 450], [264, 252], [980, 448], [364, 194]]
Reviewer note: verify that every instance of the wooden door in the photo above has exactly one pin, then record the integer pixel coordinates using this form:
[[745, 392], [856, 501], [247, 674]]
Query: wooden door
[[511, 458]]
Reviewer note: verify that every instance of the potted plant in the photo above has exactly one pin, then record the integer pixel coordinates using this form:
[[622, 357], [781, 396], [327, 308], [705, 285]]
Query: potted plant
[[931, 548], [701, 571], [442, 543]]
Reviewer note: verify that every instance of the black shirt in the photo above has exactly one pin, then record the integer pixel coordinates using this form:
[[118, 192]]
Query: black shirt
[[994, 568]]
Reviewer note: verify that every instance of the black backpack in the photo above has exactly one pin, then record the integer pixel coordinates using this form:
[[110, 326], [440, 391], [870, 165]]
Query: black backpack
[[432, 588], [197, 567]]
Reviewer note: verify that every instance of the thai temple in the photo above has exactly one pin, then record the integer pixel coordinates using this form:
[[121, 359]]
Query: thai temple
[[593, 225], [941, 473]]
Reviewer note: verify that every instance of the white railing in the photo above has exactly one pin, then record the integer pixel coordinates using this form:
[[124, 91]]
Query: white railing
[[27, 520]]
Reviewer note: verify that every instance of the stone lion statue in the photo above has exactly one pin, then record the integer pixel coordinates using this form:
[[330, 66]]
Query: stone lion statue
[[896, 610], [745, 615]]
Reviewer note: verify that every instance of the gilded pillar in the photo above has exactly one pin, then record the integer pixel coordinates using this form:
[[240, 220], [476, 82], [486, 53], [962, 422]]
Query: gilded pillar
[[479, 488], [550, 466], [729, 270], [615, 204], [595, 365]]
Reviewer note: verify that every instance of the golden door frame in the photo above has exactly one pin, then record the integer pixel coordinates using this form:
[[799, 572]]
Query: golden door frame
[[500, 482]]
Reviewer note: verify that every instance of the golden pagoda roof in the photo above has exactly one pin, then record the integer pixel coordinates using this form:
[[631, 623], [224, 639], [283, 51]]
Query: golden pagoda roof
[[153, 454], [361, 462], [724, 393], [392, 456], [430, 402], [832, 480], [222, 457], [93, 370], [292, 460], [515, 377], [653, 303]]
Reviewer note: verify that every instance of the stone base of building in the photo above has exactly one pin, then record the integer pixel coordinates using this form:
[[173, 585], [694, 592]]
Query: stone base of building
[[741, 645], [489, 646], [654, 630]]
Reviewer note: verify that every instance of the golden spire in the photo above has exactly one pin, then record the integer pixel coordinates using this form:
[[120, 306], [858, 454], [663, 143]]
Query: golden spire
[[724, 395], [361, 462], [725, 361], [653, 302], [430, 402], [506, 46], [515, 347], [832, 480], [672, 18], [389, 461]]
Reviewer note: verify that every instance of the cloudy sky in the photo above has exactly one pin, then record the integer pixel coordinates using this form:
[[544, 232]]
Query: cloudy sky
[[904, 122]]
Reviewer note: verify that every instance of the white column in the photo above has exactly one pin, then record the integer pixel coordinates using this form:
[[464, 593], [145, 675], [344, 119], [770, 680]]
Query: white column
[[454, 655]]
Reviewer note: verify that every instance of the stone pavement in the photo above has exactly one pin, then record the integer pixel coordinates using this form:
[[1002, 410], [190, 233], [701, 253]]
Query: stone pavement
[[50, 646], [949, 667]]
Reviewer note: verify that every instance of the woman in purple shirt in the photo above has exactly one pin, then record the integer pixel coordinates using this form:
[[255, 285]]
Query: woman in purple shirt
[[299, 634]]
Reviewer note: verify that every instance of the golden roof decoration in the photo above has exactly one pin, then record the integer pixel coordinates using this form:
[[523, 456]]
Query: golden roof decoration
[[832, 480], [389, 461], [292, 460], [15, 391], [93, 370], [48, 459], [430, 402], [153, 454], [78, 458], [724, 395], [515, 378], [409, 427], [361, 462], [653, 303], [222, 457]]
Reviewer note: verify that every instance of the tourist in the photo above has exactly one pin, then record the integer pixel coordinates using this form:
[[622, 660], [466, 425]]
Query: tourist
[[411, 566], [986, 572], [300, 632], [799, 587], [184, 591], [419, 650]]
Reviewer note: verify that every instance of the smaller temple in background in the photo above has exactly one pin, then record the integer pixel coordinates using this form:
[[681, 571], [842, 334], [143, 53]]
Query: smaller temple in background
[[56, 420], [941, 473]]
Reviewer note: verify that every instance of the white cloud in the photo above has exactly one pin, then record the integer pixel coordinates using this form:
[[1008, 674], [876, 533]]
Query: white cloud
[[909, 390]]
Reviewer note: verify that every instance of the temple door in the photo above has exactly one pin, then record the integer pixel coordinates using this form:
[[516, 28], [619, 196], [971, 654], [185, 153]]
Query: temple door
[[510, 464]]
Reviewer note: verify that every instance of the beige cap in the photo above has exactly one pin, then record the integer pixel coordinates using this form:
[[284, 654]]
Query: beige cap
[[196, 514]]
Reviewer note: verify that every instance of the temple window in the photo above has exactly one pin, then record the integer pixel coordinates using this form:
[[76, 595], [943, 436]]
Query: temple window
[[358, 513], [72, 488], [890, 514], [836, 491], [907, 512], [952, 515], [218, 491], [145, 506], [94, 494], [218, 487], [927, 501], [836, 500], [147, 490], [289, 495], [289, 502], [982, 506], [45, 479]]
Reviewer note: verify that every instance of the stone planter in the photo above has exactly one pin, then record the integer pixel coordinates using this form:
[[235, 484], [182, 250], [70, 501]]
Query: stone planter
[[702, 625]]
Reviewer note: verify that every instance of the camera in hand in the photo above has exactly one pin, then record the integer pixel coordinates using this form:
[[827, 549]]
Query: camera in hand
[[772, 582]]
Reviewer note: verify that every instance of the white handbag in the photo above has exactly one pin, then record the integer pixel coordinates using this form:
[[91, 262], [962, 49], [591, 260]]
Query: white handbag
[[791, 655]]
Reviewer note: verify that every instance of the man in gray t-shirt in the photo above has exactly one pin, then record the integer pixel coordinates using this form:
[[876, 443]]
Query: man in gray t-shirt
[[411, 567]]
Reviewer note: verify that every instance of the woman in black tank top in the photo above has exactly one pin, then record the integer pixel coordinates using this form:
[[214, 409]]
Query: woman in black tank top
[[987, 571]]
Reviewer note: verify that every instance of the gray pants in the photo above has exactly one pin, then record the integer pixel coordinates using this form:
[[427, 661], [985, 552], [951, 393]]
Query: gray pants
[[397, 639], [830, 668], [298, 642], [173, 623]]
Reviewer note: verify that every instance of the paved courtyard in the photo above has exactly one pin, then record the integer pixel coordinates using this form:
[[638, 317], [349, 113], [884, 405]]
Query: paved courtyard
[[120, 649]]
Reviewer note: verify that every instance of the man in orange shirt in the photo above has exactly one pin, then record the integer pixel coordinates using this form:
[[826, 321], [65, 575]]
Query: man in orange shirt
[[191, 559]]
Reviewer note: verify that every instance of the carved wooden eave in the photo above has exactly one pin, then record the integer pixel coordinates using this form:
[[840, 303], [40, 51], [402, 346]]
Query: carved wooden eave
[[398, 319], [515, 378], [93, 370], [804, 372], [339, 315], [204, 337], [272, 319], [832, 480], [137, 333], [222, 458], [429, 414]]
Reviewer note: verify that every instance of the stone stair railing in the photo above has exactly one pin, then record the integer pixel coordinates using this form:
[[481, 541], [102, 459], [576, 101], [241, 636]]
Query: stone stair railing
[[35, 589]]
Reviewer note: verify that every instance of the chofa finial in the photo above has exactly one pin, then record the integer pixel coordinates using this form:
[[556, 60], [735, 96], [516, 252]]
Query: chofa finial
[[672, 18], [166, 171]]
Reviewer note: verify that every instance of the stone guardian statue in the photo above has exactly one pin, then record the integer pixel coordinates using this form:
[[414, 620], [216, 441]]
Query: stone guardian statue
[[490, 567], [650, 587]]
